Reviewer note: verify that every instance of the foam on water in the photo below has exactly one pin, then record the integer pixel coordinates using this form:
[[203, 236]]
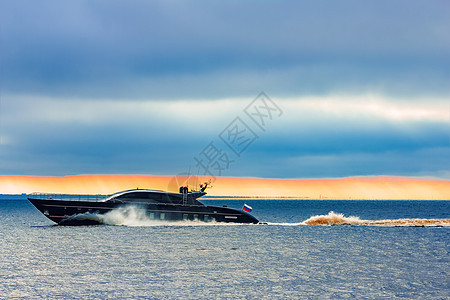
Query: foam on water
[[133, 215], [339, 219], [128, 215], [333, 218], [42, 261]]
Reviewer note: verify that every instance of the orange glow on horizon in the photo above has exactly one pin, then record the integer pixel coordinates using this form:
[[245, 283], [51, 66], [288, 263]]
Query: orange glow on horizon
[[380, 187]]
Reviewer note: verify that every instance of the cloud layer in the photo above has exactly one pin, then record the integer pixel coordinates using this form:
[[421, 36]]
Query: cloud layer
[[315, 137], [203, 49], [142, 88]]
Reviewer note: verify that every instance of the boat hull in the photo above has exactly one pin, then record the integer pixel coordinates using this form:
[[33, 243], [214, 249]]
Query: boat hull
[[69, 212]]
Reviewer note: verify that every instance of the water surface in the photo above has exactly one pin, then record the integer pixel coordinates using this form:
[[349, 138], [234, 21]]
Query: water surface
[[192, 260]]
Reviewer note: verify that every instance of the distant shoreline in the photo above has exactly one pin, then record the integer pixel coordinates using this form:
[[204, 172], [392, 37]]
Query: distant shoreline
[[364, 188], [24, 197]]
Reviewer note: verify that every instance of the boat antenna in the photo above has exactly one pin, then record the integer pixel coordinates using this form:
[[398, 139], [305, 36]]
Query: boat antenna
[[204, 185]]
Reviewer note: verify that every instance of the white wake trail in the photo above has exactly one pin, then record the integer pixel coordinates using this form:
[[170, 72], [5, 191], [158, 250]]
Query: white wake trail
[[333, 218]]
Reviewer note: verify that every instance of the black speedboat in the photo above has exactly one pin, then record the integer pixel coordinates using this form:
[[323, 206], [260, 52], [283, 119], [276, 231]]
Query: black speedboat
[[159, 205]]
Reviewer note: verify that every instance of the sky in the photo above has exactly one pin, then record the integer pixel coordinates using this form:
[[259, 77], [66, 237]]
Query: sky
[[269, 89], [370, 188]]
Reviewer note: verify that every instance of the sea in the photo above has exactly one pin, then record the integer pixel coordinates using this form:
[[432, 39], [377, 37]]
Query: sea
[[305, 249]]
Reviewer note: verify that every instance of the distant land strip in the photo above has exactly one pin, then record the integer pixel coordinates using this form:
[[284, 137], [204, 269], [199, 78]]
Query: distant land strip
[[364, 188]]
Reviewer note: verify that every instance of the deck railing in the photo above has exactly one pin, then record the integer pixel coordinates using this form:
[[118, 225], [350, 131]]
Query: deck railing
[[68, 197]]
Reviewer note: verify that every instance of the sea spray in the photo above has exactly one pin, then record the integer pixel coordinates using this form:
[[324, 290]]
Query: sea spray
[[130, 215], [339, 219], [333, 219], [135, 215]]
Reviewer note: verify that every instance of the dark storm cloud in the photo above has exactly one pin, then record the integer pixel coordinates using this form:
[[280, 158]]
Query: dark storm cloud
[[81, 85], [144, 49]]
